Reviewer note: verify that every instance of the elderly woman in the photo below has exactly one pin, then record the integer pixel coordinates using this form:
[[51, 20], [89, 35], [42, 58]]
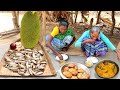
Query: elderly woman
[[60, 38], [94, 42]]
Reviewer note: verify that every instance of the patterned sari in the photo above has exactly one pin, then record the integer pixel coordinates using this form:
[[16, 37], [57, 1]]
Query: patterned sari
[[62, 40], [99, 48]]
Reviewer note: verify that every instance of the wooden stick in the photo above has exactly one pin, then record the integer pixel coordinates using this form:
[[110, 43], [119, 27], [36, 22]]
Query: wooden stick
[[9, 32], [48, 59], [85, 20], [42, 39], [91, 23], [106, 21], [15, 19], [76, 14], [113, 20], [98, 17]]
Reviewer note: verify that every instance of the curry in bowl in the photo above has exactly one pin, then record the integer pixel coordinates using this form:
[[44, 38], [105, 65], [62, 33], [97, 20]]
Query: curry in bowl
[[106, 69]]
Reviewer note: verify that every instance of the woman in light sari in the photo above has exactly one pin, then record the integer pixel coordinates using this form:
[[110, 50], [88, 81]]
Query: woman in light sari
[[61, 38], [95, 43]]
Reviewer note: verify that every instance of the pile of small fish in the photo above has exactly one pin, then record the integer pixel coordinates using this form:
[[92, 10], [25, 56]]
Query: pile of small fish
[[26, 62]]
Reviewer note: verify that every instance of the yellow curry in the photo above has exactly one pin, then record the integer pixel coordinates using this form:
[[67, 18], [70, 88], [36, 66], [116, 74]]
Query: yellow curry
[[106, 69]]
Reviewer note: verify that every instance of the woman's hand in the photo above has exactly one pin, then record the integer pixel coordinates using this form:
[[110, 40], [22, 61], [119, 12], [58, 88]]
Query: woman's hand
[[60, 56], [89, 41], [118, 54]]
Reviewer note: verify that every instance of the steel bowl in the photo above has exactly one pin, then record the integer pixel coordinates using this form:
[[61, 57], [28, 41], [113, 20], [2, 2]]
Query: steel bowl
[[79, 66], [104, 62]]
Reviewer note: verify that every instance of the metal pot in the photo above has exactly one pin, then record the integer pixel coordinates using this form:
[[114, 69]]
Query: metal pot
[[104, 61]]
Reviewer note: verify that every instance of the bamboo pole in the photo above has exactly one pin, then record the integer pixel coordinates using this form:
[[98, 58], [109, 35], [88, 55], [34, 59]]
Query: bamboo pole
[[42, 39], [15, 19], [9, 32], [91, 23], [82, 13], [17, 15], [98, 17], [76, 14], [113, 24]]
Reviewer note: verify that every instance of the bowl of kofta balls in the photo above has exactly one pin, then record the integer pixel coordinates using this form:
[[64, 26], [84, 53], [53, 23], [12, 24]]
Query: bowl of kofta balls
[[74, 71]]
